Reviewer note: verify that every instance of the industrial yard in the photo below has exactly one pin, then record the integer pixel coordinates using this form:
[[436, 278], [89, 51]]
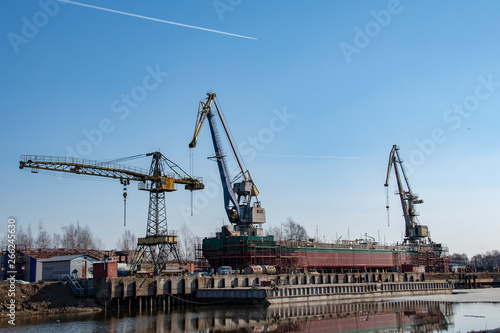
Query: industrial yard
[[242, 244], [233, 165]]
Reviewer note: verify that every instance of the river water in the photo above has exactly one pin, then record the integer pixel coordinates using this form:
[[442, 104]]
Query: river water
[[462, 312]]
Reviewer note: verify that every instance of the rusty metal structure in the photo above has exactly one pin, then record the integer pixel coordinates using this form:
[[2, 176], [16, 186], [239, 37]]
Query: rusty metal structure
[[239, 251]]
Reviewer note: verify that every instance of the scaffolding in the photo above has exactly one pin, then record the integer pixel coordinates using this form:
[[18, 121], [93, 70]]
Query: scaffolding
[[240, 252], [434, 257], [291, 256], [237, 252]]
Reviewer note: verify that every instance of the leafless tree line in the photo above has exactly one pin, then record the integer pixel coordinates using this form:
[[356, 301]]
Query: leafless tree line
[[486, 261], [73, 236], [76, 236]]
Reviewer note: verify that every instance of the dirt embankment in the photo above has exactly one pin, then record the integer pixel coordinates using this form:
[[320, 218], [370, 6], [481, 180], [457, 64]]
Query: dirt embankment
[[44, 298]]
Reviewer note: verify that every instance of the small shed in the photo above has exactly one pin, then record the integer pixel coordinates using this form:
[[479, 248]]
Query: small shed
[[105, 269], [78, 266]]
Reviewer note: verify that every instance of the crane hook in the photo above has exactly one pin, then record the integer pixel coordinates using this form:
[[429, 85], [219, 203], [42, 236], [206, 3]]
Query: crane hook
[[124, 205]]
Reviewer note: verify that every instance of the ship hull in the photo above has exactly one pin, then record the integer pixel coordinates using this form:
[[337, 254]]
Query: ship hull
[[347, 258], [242, 251]]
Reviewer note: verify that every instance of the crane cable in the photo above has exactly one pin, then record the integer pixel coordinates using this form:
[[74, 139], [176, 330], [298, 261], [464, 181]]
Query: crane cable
[[231, 134], [123, 159], [242, 173], [387, 205], [191, 167]]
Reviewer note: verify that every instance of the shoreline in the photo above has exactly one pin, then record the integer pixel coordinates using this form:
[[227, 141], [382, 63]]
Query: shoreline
[[44, 299], [57, 298]]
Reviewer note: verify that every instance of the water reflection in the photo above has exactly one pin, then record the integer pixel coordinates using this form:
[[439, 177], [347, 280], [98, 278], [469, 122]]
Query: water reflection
[[408, 316], [404, 316]]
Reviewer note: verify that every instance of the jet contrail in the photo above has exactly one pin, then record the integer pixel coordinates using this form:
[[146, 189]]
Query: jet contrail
[[155, 19]]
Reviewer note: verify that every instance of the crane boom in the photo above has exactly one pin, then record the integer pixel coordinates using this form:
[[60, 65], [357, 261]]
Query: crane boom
[[82, 166], [237, 195], [158, 244], [117, 171], [413, 231]]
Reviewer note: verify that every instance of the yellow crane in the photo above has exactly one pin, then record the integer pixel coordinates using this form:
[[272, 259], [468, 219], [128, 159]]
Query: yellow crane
[[158, 244]]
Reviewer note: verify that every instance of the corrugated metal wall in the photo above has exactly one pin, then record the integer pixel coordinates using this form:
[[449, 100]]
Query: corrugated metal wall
[[53, 270]]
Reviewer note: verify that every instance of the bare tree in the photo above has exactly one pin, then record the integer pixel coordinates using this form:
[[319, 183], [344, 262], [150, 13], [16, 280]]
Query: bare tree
[[43, 240], [294, 231], [78, 237], [21, 236], [489, 261], [127, 242], [459, 259], [56, 240], [30, 240], [277, 232], [98, 243], [69, 237], [85, 238], [25, 237], [187, 243]]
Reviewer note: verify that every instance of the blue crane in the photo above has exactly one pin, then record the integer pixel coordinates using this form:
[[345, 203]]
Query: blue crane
[[239, 193]]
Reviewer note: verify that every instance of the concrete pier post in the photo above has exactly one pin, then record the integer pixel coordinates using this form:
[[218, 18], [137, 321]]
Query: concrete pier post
[[140, 304]]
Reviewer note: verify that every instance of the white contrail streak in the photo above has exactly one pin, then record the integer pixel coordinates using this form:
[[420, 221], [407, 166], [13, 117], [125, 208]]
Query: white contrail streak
[[155, 19]]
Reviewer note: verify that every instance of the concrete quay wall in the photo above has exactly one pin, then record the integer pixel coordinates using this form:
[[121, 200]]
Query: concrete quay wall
[[184, 287]]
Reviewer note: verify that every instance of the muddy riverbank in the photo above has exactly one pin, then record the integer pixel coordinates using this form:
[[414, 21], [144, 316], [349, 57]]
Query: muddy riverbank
[[44, 298]]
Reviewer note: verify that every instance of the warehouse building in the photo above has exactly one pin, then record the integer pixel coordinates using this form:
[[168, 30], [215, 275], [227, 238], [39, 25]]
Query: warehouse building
[[78, 266]]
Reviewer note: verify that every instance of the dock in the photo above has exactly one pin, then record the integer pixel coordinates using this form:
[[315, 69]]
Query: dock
[[165, 291]]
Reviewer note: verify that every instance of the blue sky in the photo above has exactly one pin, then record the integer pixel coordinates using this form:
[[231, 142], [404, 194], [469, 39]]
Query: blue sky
[[315, 103]]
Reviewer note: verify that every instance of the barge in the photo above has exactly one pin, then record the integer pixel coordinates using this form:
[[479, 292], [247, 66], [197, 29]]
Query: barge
[[231, 248]]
